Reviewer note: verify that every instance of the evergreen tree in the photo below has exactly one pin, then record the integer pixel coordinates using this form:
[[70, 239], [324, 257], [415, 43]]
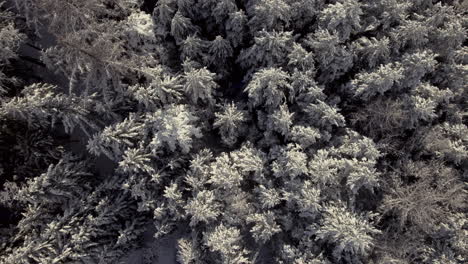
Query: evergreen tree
[[270, 49], [173, 127], [220, 50], [230, 122], [342, 17], [9, 43], [199, 84], [264, 131], [193, 48], [373, 51], [269, 87], [367, 85], [227, 241], [203, 208], [161, 90], [264, 227], [235, 27], [268, 14], [334, 59], [113, 140], [40, 106], [350, 234], [182, 27]]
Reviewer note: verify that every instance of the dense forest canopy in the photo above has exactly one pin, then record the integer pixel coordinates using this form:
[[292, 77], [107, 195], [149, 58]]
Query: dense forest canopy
[[261, 131]]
